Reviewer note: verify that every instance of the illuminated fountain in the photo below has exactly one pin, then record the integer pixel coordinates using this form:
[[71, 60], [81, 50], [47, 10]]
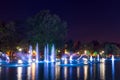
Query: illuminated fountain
[[74, 56], [49, 54], [37, 53], [4, 57], [112, 58], [30, 54], [98, 58], [74, 59], [21, 59], [113, 67], [91, 58]]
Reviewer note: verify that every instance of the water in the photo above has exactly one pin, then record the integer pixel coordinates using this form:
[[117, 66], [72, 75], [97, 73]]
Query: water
[[37, 53], [110, 70], [30, 53], [49, 54]]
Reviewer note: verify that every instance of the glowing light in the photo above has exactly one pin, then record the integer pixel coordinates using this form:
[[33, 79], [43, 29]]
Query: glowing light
[[98, 58], [20, 49], [91, 59], [113, 58], [78, 72], [20, 61], [33, 71], [33, 60], [19, 73], [57, 72], [102, 71], [102, 60], [65, 73], [66, 52], [58, 51], [103, 51], [71, 57], [85, 60], [85, 51], [65, 61], [78, 52], [0, 69], [85, 72], [29, 72]]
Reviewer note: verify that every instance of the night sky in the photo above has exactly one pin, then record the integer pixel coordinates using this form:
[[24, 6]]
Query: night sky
[[87, 19]]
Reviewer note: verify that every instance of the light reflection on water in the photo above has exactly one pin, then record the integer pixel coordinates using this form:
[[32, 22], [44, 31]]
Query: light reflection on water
[[33, 66], [19, 73], [57, 72], [51, 71], [65, 73], [102, 71], [28, 73], [85, 72], [78, 72], [113, 70]]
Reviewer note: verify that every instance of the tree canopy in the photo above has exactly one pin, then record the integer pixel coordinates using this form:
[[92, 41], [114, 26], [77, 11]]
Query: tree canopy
[[41, 28], [45, 28], [7, 36]]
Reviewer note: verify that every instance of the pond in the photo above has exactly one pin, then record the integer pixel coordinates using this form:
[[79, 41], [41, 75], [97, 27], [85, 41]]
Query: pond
[[108, 70]]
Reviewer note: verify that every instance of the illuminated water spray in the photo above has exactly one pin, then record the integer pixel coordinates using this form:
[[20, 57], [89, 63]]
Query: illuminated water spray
[[98, 58], [113, 68], [53, 54], [91, 58], [30, 54], [49, 54], [113, 58], [37, 53]]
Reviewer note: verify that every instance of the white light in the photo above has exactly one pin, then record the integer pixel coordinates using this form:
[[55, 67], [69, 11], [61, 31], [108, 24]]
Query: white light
[[20, 61], [59, 51], [85, 51], [85, 59], [91, 59], [20, 49], [102, 60], [33, 60]]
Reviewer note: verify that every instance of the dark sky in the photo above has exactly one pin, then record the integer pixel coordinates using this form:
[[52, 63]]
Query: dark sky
[[87, 19]]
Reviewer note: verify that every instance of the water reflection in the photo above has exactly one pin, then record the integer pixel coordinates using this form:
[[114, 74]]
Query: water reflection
[[113, 70], [19, 73], [29, 73], [91, 71], [0, 71], [34, 71], [49, 71], [57, 72], [85, 72], [78, 72], [65, 73], [102, 71], [33, 67], [52, 66]]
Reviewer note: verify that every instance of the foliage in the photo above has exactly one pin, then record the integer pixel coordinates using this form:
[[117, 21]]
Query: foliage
[[45, 28], [7, 36], [110, 48]]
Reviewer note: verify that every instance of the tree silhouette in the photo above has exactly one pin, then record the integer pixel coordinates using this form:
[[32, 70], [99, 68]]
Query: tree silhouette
[[45, 28]]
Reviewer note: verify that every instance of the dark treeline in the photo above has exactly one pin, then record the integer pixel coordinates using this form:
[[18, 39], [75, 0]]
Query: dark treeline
[[93, 46], [42, 28]]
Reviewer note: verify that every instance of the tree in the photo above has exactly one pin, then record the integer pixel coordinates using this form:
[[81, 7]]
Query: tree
[[111, 48], [7, 36], [45, 28]]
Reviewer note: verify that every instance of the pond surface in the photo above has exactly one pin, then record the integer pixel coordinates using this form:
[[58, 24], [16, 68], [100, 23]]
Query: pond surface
[[109, 70]]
